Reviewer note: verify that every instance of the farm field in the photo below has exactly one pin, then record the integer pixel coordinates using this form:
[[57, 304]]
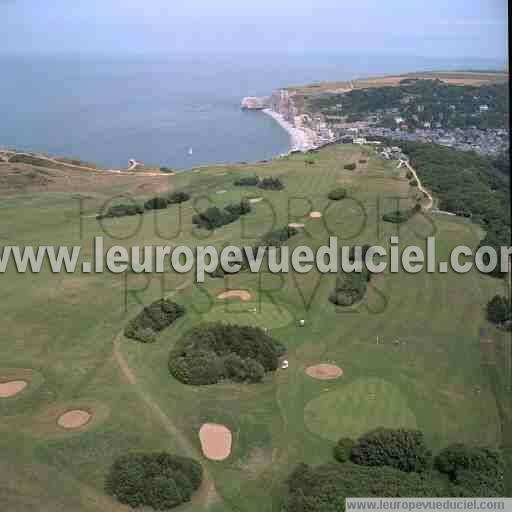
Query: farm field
[[411, 352], [476, 78]]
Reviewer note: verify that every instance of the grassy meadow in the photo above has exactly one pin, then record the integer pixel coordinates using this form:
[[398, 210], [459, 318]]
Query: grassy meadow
[[410, 352]]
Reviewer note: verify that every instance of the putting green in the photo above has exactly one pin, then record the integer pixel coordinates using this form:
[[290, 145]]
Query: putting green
[[250, 313], [355, 409]]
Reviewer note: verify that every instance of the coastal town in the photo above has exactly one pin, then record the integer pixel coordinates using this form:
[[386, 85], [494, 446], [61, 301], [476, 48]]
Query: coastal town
[[316, 120], [486, 142]]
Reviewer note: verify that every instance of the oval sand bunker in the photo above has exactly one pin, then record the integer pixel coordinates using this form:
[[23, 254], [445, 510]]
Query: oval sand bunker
[[255, 199], [315, 215], [324, 371], [295, 225], [215, 441], [235, 294], [74, 419], [12, 388]]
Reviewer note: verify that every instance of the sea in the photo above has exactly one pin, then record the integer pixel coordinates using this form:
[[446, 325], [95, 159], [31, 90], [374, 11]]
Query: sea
[[172, 111]]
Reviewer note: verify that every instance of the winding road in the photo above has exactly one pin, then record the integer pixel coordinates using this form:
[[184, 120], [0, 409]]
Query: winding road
[[421, 188]]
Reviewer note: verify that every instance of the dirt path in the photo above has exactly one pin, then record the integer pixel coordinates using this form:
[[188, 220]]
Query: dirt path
[[58, 162], [130, 171], [207, 495], [421, 188]]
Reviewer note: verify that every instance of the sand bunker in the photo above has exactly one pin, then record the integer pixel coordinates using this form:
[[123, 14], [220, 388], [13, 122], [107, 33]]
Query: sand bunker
[[255, 199], [324, 371], [215, 441], [221, 191], [315, 215], [235, 294], [74, 419], [12, 388], [295, 225]]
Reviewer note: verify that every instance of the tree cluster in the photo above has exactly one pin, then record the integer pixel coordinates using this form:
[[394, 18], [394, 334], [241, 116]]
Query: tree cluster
[[158, 480], [350, 167], [342, 451], [177, 197], [248, 181], [499, 310], [393, 463], [350, 287], [271, 183], [359, 101], [274, 238], [278, 237], [420, 101], [212, 352], [400, 216], [337, 194], [401, 449], [473, 471], [477, 186], [214, 217], [155, 203], [152, 320], [162, 202], [121, 210], [324, 488]]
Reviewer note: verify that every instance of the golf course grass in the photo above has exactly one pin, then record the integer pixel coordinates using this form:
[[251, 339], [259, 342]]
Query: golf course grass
[[410, 351], [250, 313], [352, 410]]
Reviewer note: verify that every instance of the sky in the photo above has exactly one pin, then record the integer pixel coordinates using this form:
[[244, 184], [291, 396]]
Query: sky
[[427, 28]]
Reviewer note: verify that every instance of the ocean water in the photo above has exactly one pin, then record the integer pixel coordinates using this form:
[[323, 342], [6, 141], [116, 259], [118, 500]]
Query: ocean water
[[107, 110]]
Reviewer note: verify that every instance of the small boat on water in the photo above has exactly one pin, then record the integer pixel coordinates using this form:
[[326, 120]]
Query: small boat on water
[[190, 152]]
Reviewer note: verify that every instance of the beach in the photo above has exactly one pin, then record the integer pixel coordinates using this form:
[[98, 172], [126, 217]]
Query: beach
[[300, 140]]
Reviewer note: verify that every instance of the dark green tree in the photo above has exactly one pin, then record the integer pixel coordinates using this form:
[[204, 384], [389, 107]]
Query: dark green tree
[[343, 449], [337, 194], [158, 480], [401, 449], [499, 310]]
